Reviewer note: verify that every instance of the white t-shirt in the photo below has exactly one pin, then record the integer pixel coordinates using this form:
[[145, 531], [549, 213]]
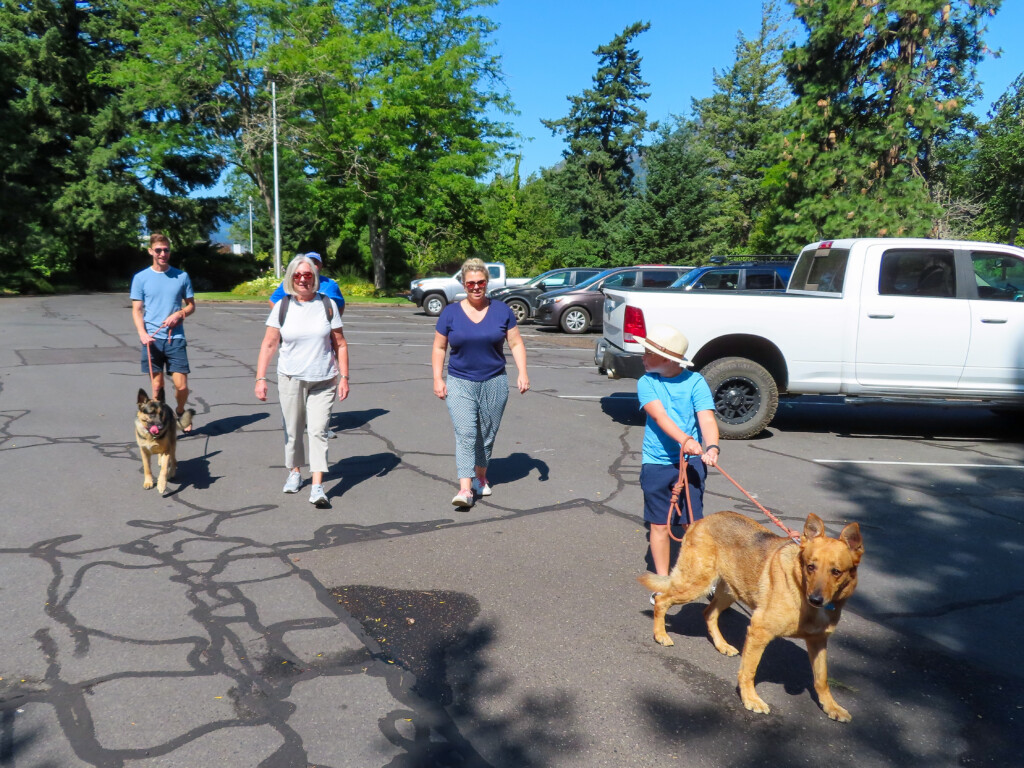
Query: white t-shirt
[[306, 351]]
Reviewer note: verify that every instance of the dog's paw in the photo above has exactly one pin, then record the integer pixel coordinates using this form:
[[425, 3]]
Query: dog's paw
[[727, 650], [755, 704], [664, 640], [161, 488], [839, 714], [147, 484]]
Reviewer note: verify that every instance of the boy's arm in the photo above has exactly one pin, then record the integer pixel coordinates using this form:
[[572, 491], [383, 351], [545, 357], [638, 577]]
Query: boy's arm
[[657, 411], [709, 430]]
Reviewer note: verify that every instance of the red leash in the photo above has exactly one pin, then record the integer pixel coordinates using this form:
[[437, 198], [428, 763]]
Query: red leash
[[683, 486]]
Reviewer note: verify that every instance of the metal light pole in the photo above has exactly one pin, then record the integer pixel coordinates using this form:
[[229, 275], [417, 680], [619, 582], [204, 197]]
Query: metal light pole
[[277, 202], [251, 250]]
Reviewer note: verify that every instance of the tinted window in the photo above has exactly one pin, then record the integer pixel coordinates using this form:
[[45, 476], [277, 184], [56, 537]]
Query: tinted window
[[823, 272], [621, 280], [720, 280], [659, 278], [999, 277], [762, 281], [557, 280], [917, 272], [585, 274]]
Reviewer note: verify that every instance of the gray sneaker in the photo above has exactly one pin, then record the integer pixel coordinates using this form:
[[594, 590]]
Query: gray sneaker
[[318, 498], [293, 483]]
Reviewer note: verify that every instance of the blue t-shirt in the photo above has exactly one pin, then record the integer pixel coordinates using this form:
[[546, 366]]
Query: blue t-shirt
[[683, 396], [327, 286], [161, 294], [477, 349]]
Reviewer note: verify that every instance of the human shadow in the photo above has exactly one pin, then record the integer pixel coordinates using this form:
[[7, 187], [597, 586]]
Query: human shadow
[[516, 466], [623, 408], [355, 419], [226, 425], [195, 473], [355, 469]]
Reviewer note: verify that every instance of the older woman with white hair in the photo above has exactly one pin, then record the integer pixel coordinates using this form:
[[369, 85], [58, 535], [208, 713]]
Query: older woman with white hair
[[476, 389], [311, 369]]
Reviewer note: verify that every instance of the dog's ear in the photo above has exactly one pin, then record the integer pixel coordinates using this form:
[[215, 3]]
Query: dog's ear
[[160, 394], [143, 397], [813, 528], [851, 536]]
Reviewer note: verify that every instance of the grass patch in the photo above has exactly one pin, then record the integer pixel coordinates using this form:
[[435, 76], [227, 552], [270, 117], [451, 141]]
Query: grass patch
[[213, 296]]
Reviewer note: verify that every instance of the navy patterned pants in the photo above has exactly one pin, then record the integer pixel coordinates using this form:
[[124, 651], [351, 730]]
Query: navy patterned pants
[[476, 408]]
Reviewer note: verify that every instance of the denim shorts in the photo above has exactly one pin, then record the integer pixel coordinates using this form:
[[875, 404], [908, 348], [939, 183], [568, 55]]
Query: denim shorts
[[656, 481], [167, 353]]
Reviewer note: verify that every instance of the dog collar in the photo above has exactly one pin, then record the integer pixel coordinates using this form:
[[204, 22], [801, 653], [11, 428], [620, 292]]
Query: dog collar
[[830, 606]]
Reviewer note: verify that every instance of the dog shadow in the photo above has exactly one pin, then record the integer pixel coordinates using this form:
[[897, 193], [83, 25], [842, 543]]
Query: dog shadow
[[356, 469], [516, 466], [784, 662], [225, 425], [194, 473], [355, 419]]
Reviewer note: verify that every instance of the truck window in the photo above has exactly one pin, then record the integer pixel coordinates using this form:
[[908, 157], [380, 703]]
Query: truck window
[[823, 272], [494, 272], [620, 280], [917, 272], [999, 276]]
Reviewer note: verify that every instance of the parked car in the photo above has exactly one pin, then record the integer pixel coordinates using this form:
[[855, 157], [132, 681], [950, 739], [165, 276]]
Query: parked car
[[433, 293], [739, 276], [578, 309], [522, 299]]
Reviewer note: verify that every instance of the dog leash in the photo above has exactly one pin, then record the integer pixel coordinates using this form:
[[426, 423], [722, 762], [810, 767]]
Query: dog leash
[[684, 485]]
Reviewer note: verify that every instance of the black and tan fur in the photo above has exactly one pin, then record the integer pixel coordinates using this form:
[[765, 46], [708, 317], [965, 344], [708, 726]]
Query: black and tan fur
[[155, 412], [794, 590]]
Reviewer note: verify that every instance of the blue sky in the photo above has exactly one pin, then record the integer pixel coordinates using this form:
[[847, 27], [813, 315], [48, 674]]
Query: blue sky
[[547, 51]]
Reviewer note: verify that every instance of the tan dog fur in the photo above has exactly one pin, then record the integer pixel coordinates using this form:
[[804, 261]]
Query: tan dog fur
[[150, 412], [793, 590]]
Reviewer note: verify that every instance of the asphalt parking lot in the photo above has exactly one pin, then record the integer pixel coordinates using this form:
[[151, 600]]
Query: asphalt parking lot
[[228, 624]]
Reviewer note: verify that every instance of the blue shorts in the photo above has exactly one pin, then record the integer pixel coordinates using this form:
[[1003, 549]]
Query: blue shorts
[[656, 481], [167, 353]]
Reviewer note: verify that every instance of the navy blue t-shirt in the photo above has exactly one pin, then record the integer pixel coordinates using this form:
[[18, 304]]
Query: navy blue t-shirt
[[477, 349]]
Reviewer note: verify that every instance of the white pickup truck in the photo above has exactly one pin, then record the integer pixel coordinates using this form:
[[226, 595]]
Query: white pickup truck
[[433, 293], [871, 318]]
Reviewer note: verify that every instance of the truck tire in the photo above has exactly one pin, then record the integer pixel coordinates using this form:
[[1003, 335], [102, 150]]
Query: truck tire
[[433, 303], [746, 396], [520, 309], [575, 320]]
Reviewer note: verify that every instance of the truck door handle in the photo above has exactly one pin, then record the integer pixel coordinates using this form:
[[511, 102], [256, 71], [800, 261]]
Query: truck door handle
[[994, 320], [881, 317]]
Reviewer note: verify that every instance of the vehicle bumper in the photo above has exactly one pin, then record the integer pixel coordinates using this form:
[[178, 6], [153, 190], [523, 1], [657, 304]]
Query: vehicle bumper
[[416, 296], [545, 315], [617, 363]]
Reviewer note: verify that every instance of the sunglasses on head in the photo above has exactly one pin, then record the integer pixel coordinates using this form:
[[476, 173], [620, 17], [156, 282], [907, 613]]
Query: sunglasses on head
[[476, 283]]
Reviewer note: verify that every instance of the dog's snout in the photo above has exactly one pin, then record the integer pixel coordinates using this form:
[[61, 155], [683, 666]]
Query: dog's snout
[[816, 600]]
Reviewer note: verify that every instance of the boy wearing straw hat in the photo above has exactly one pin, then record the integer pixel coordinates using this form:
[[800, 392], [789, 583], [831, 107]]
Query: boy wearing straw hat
[[680, 414]]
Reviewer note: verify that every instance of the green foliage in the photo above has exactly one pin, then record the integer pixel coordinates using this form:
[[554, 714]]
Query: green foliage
[[264, 285], [999, 166], [875, 84]]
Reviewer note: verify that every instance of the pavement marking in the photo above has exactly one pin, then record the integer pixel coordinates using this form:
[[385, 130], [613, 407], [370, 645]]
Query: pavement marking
[[919, 464]]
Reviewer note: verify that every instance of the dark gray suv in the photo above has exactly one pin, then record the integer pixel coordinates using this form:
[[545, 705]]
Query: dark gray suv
[[577, 310], [522, 299]]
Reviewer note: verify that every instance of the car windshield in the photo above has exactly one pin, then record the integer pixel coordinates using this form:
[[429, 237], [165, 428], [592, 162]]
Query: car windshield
[[690, 277], [539, 278], [591, 280]]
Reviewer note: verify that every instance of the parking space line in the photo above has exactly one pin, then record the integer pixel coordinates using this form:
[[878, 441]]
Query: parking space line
[[919, 464]]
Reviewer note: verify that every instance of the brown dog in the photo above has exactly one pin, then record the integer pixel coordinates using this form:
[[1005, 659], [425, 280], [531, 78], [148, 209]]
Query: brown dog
[[793, 590], [156, 432]]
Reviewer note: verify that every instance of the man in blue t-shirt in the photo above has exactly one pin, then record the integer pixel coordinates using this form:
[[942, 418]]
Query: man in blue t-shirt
[[327, 286], [162, 298]]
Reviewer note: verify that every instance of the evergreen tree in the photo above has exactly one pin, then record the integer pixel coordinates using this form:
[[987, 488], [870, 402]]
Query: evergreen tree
[[876, 82], [999, 164], [604, 130], [739, 123]]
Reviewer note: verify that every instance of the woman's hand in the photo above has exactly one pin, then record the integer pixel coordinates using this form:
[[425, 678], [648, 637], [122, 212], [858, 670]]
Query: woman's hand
[[343, 388], [261, 390], [523, 382], [440, 388]]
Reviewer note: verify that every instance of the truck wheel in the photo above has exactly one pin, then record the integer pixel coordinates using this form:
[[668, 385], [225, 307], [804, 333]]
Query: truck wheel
[[520, 309], [746, 396], [575, 320], [433, 303]]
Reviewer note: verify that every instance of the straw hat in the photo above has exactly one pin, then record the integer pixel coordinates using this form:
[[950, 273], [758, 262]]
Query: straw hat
[[666, 341]]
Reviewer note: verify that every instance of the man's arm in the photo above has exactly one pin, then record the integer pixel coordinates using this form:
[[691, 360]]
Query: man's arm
[[138, 317]]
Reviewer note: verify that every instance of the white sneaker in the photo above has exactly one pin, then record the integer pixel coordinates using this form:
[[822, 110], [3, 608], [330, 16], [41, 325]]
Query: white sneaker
[[293, 483], [483, 489], [463, 499], [318, 498]]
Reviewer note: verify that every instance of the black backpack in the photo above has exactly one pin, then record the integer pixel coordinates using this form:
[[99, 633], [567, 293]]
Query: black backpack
[[282, 307]]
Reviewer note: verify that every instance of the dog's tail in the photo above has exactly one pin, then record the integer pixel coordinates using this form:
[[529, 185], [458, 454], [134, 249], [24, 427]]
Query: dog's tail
[[654, 583]]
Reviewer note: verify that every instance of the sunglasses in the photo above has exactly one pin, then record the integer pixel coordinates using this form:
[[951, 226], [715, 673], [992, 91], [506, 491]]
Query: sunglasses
[[476, 283], [161, 250], [303, 275]]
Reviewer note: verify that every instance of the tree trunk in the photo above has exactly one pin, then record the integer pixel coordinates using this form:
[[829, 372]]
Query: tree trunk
[[378, 250]]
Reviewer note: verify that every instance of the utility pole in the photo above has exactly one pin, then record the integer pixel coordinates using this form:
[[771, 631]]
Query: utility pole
[[277, 201], [251, 250]]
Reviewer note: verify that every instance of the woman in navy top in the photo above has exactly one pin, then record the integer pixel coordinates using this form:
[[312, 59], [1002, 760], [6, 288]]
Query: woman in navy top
[[476, 389]]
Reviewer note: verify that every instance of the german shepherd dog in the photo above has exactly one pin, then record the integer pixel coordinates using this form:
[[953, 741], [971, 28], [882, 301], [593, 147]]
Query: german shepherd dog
[[156, 432], [793, 590]]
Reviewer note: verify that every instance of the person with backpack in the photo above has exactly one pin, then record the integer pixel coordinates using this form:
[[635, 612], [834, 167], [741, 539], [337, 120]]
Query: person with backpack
[[327, 287], [311, 370]]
